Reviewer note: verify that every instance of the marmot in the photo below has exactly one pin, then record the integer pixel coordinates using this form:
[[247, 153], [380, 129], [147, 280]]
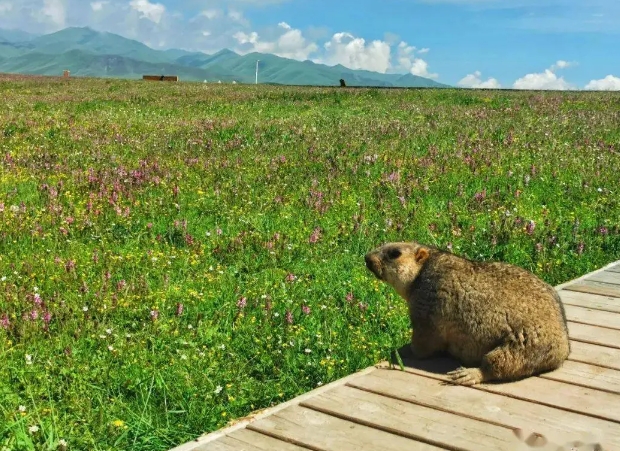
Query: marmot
[[501, 321]]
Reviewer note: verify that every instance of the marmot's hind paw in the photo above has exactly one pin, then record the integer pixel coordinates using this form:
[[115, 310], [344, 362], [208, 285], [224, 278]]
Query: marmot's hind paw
[[465, 376]]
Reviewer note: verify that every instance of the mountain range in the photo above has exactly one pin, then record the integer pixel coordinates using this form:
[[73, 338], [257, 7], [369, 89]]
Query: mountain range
[[86, 52]]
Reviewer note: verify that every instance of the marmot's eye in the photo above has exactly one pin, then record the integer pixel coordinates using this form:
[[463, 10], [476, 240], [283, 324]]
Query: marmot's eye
[[393, 253]]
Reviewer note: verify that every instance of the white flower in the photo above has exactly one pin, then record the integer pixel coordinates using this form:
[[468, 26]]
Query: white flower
[[3, 278], [111, 348], [218, 389], [85, 308], [222, 347], [600, 190], [108, 331], [33, 429], [308, 351], [28, 359], [22, 408], [62, 442]]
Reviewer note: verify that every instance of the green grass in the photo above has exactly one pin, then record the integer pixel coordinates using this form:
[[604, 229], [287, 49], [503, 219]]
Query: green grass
[[252, 207]]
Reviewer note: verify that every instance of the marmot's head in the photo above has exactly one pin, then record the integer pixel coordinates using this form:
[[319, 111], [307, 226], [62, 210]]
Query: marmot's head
[[397, 264]]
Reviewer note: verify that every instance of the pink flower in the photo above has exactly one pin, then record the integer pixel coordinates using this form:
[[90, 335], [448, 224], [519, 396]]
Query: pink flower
[[242, 302], [349, 297], [4, 321], [530, 227], [316, 234], [179, 309], [290, 277], [305, 309], [289, 317], [37, 299]]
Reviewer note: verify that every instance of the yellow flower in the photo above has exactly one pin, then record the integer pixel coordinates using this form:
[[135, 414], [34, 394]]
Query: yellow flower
[[118, 423]]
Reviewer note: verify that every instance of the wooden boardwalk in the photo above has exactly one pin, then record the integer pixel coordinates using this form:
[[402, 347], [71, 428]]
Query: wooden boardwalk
[[576, 407]]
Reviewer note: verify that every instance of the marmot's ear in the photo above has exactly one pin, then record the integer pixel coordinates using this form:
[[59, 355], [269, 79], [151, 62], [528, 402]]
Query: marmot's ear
[[421, 255]]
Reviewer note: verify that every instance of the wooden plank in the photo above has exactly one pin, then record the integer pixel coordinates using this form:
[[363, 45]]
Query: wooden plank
[[413, 421], [594, 317], [318, 431], [595, 335], [595, 355], [246, 440], [595, 301], [586, 401], [558, 426], [586, 375], [589, 286], [606, 277]]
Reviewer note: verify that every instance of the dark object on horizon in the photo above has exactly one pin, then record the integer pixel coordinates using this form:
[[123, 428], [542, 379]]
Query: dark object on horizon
[[342, 83], [160, 77]]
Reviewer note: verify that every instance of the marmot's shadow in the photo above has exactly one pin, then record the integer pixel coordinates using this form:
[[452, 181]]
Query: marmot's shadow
[[439, 363]]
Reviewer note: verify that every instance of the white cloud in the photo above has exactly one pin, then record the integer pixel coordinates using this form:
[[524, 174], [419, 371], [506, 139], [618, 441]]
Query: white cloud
[[210, 13], [474, 81], [546, 80], [561, 64], [151, 11], [409, 62], [5, 7], [290, 44], [98, 6], [355, 53], [609, 83], [54, 10]]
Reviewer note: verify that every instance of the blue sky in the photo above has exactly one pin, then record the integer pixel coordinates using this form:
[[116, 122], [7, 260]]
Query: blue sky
[[549, 44]]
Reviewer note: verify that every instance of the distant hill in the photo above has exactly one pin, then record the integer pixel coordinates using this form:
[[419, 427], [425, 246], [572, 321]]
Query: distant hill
[[86, 52]]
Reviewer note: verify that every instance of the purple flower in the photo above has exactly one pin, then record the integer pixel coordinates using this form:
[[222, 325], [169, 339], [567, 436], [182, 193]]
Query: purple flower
[[242, 302], [349, 297], [481, 195], [37, 299], [305, 309], [34, 314], [316, 234], [47, 317], [529, 228], [290, 277], [603, 230], [4, 321], [289, 317]]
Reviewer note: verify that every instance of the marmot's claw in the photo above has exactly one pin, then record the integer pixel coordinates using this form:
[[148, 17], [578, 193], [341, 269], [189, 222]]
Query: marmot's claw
[[465, 376]]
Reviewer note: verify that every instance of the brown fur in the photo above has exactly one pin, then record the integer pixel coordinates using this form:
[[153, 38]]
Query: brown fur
[[499, 320]]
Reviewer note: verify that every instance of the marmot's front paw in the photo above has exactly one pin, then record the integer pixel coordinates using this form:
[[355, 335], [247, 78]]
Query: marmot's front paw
[[466, 376]]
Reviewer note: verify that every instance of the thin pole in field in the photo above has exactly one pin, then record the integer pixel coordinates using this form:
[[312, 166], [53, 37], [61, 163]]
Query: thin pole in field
[[257, 71]]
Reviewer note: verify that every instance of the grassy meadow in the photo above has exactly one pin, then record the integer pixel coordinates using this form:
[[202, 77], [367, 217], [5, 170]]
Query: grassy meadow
[[173, 256]]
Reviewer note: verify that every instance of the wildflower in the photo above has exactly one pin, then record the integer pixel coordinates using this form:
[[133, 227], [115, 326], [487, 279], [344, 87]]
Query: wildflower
[[110, 348], [481, 195], [290, 277], [349, 297], [305, 309], [179, 311], [529, 228], [118, 423], [154, 314], [218, 231], [315, 236], [4, 321], [289, 317], [62, 443], [108, 331], [603, 230], [218, 389], [85, 308], [580, 248], [33, 429], [362, 306], [3, 279], [22, 408], [28, 359], [34, 315], [47, 317], [307, 351], [70, 265], [242, 302]]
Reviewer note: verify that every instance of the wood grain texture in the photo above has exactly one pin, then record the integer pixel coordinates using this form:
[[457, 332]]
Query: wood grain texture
[[592, 301], [557, 425], [318, 431], [417, 422], [593, 317], [595, 354], [595, 335]]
